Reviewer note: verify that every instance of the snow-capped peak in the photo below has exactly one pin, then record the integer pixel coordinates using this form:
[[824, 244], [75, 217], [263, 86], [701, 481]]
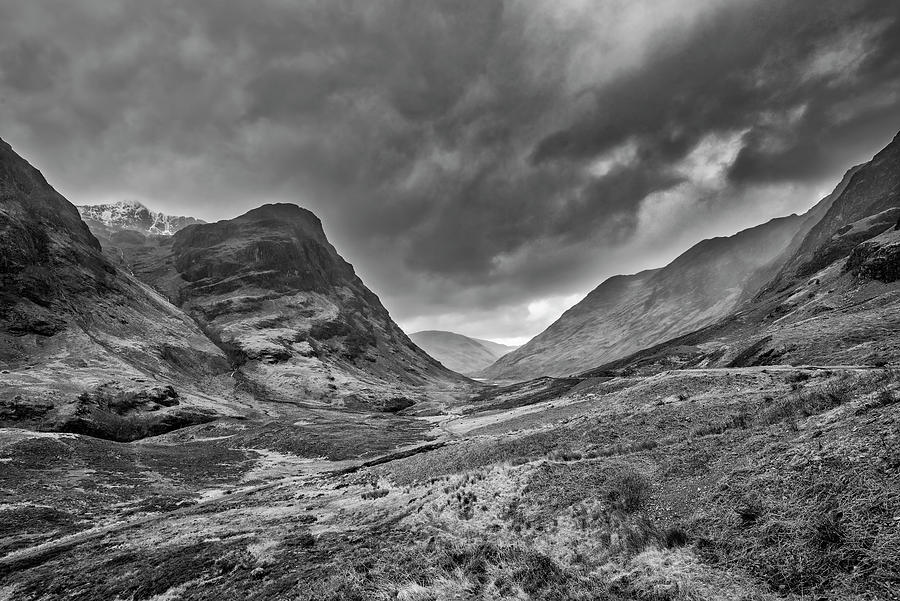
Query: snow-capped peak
[[132, 215]]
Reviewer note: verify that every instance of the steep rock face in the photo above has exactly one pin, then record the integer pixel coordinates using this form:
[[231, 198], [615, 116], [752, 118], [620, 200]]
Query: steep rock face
[[627, 313], [48, 252], [71, 321], [835, 300], [298, 323], [878, 258], [769, 279], [866, 207], [278, 247], [460, 353]]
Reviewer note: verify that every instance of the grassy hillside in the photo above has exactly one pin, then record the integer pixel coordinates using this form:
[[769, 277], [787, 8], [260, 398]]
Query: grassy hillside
[[746, 483]]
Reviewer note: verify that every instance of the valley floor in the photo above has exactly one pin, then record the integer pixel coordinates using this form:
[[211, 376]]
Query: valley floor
[[755, 483]]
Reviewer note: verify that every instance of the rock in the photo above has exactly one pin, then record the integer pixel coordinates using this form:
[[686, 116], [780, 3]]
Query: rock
[[877, 259], [20, 409], [395, 404], [258, 572], [112, 397]]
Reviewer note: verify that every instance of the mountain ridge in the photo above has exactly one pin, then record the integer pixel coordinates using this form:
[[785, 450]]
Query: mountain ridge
[[135, 216], [628, 312], [833, 300]]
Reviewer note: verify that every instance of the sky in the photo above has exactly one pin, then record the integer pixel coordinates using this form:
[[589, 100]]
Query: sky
[[482, 164]]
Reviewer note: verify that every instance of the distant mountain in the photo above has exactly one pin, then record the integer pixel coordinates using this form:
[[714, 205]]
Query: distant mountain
[[834, 300], [133, 216], [495, 347], [297, 322], [460, 353], [84, 346]]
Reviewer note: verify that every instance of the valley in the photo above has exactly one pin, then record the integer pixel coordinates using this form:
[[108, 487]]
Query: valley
[[462, 354], [666, 486], [226, 411]]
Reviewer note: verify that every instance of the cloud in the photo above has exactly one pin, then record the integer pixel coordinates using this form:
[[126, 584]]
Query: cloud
[[472, 159]]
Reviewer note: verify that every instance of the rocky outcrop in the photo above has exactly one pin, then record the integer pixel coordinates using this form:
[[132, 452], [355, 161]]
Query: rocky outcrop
[[877, 259], [114, 411], [866, 200]]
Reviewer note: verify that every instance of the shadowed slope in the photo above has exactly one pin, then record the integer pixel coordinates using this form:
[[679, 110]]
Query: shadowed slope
[[84, 345]]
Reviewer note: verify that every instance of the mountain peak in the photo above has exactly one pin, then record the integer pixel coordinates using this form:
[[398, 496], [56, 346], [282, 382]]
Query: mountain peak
[[135, 216], [281, 209], [284, 212], [129, 204]]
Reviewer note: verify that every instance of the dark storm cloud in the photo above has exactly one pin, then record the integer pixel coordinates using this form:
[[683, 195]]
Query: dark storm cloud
[[737, 67], [472, 158]]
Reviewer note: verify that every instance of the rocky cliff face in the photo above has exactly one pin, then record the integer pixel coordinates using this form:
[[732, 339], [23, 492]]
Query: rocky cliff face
[[72, 322], [627, 313], [866, 204], [48, 252], [297, 322]]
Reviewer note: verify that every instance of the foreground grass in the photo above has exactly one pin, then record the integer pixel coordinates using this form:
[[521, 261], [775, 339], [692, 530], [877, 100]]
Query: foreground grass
[[686, 487], [794, 491]]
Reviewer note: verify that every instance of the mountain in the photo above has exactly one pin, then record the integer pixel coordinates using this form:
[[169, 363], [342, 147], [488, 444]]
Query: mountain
[[84, 346], [460, 353], [834, 300], [133, 216], [128, 225], [636, 480], [163, 323], [297, 322], [495, 347], [629, 312]]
